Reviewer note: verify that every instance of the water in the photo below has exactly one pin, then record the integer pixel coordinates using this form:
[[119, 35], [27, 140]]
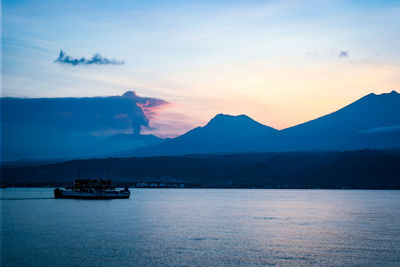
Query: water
[[202, 227]]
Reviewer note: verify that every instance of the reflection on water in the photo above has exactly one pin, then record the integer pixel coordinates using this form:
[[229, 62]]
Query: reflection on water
[[202, 227]]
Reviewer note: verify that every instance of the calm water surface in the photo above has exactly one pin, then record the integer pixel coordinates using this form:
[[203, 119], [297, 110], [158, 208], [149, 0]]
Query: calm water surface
[[202, 227]]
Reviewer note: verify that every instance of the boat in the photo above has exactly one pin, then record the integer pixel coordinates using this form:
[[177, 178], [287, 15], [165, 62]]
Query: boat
[[91, 189]]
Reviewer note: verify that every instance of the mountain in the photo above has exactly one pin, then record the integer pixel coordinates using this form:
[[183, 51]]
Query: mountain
[[67, 128], [370, 122], [96, 148], [118, 142], [222, 134]]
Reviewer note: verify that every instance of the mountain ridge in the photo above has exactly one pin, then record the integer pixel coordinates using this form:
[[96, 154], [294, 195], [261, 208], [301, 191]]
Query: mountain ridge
[[215, 136], [346, 128], [372, 121]]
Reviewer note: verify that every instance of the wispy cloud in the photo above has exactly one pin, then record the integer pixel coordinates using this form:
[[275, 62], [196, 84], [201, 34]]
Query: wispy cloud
[[97, 59], [343, 54], [382, 129]]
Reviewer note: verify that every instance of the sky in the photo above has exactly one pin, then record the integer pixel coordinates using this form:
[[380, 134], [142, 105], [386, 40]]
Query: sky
[[280, 62]]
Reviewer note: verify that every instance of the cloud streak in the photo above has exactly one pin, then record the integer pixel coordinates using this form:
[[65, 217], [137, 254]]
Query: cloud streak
[[96, 59], [382, 129]]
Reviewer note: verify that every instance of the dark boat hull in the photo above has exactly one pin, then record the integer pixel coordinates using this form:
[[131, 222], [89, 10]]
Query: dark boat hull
[[60, 193]]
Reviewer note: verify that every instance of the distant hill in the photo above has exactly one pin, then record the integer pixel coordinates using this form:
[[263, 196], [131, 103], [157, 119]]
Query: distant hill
[[104, 148], [118, 142], [222, 134], [356, 169], [370, 122]]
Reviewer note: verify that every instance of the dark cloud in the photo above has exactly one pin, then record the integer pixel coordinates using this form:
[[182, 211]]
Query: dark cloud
[[343, 54], [82, 114], [38, 124], [95, 59]]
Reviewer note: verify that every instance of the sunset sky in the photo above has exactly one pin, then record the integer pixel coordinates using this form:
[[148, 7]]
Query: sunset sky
[[279, 62]]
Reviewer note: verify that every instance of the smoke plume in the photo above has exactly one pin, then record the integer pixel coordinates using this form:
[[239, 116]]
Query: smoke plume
[[97, 59]]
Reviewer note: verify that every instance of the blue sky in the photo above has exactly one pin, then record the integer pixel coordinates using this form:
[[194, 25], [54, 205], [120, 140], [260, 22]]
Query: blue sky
[[276, 61]]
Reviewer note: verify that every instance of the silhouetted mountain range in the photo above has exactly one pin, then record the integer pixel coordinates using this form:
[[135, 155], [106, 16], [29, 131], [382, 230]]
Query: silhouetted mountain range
[[371, 122], [57, 130]]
